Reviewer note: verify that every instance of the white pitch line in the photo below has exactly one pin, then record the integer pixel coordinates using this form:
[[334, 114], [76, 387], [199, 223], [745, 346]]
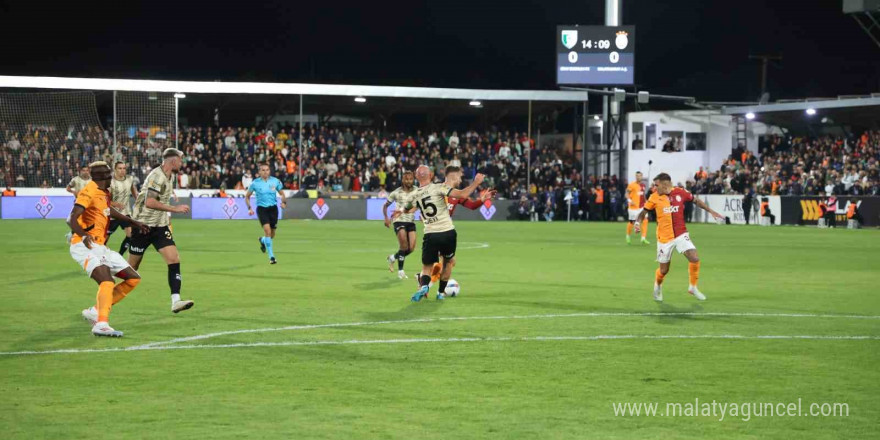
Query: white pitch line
[[470, 318], [441, 340]]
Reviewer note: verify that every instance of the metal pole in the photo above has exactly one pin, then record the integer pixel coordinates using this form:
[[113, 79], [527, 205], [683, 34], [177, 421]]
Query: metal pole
[[300, 165], [529, 153], [176, 136], [584, 148], [115, 146], [613, 15]]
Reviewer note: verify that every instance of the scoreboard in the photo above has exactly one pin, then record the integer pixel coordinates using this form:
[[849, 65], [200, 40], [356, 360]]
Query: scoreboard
[[595, 55]]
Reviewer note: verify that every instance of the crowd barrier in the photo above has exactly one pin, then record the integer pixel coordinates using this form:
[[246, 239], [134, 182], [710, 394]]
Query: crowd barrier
[[789, 210]]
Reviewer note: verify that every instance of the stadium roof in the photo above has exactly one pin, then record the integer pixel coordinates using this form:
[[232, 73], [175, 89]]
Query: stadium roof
[[857, 111], [47, 82]]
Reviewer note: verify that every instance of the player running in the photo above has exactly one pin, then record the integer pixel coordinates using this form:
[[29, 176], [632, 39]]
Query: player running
[[265, 188], [668, 204], [453, 180], [439, 234], [153, 208], [635, 198], [404, 225], [88, 225], [122, 188]]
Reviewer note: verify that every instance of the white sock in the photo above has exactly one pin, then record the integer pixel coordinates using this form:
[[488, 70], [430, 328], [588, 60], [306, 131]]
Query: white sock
[[175, 297]]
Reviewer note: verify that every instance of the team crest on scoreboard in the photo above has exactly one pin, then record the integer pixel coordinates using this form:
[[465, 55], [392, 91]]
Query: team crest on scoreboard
[[43, 207], [320, 209], [622, 40], [569, 38]]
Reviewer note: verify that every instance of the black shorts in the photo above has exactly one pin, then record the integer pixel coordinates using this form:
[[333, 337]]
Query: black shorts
[[115, 224], [159, 237], [405, 226], [437, 244], [268, 215]]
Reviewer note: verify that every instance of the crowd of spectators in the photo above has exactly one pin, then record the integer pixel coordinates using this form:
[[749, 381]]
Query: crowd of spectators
[[799, 166], [351, 159]]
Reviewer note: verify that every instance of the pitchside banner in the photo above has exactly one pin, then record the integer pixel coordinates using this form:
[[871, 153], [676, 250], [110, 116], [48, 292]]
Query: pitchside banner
[[53, 207], [805, 210], [228, 208], [491, 210], [731, 206]]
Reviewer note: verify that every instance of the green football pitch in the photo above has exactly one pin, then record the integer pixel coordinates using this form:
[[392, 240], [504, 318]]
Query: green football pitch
[[555, 328]]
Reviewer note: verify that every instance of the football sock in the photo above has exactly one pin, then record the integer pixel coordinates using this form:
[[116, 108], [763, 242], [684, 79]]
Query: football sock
[[104, 300], [644, 228], [424, 280], [174, 281], [269, 247], [629, 228], [123, 288], [442, 287], [401, 257], [658, 277], [693, 273]]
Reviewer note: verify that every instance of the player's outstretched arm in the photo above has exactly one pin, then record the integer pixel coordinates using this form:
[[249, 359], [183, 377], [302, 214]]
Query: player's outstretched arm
[[120, 216], [703, 205], [153, 202], [466, 193], [283, 198]]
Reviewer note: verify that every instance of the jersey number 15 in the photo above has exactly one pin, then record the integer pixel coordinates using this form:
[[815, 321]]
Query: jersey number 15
[[428, 209]]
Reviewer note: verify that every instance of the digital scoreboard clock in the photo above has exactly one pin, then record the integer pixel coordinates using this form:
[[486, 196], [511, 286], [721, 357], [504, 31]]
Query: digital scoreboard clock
[[595, 55]]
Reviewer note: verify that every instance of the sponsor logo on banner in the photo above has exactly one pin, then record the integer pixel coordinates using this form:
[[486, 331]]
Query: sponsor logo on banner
[[230, 208], [44, 207], [488, 210], [810, 209], [320, 209], [569, 38]]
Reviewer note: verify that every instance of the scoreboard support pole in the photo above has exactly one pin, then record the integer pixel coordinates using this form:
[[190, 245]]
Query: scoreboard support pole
[[613, 15]]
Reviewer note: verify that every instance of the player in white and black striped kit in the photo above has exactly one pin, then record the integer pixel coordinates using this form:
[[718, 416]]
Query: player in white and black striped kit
[[440, 238]]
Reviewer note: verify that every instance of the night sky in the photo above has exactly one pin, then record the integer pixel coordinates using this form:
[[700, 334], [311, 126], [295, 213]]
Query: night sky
[[694, 48]]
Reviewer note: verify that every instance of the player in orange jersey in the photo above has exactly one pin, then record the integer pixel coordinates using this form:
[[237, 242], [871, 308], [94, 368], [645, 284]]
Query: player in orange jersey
[[88, 223], [635, 198], [668, 204]]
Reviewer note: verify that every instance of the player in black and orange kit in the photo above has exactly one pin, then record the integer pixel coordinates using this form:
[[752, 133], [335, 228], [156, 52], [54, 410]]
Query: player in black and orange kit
[[453, 179], [668, 204]]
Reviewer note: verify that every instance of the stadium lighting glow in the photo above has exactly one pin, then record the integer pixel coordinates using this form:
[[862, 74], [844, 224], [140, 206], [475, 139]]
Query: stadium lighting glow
[[811, 111], [179, 95], [750, 116], [475, 103], [595, 117], [360, 99]]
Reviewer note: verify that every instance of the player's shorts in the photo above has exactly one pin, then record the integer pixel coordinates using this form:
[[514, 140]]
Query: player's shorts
[[682, 244], [158, 236], [98, 255], [405, 226], [633, 214], [268, 215], [116, 224], [437, 244]]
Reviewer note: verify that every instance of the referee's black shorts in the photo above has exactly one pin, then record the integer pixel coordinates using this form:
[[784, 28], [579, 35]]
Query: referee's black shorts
[[437, 244], [268, 215]]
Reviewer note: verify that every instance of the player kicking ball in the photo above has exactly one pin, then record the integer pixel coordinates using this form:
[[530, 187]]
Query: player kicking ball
[[404, 225], [265, 187], [88, 223], [668, 204], [439, 238]]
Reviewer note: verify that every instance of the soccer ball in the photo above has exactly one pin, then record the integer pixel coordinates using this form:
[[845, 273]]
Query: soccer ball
[[452, 288]]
